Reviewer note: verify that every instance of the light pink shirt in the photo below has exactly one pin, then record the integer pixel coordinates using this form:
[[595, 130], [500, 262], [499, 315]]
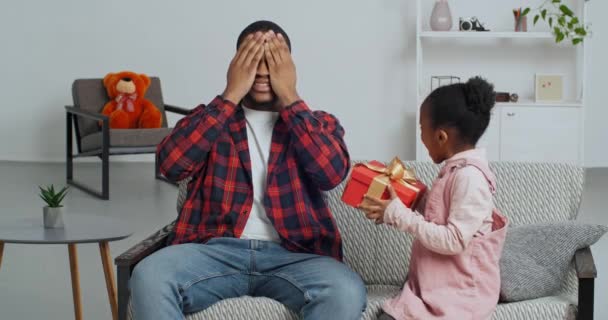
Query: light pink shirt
[[470, 211]]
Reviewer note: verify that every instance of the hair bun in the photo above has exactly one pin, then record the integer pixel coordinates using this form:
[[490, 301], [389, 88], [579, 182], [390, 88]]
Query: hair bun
[[479, 95]]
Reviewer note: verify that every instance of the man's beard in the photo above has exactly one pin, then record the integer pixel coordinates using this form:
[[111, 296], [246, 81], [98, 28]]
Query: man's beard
[[251, 103]]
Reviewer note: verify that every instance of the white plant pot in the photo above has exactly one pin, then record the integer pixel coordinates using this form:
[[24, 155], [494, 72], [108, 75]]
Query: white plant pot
[[53, 217]]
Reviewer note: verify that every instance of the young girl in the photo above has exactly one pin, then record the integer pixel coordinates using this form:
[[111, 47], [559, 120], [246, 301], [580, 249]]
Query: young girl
[[459, 235]]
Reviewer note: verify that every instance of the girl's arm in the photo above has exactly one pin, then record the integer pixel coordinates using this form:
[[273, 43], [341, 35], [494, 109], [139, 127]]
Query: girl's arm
[[470, 204]]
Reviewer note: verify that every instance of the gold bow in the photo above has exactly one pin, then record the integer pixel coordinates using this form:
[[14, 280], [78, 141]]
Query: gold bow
[[395, 171]]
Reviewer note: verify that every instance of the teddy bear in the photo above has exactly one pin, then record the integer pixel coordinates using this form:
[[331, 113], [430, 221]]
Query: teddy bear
[[128, 108]]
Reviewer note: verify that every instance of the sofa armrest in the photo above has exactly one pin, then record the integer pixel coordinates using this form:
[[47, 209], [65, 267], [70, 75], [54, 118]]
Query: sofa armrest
[[127, 261], [178, 110], [146, 247], [585, 266]]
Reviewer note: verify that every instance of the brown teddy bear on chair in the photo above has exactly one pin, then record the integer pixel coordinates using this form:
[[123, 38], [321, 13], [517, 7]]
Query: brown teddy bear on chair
[[128, 108]]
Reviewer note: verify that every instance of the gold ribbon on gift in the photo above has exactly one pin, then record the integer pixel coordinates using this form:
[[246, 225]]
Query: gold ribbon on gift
[[394, 172]]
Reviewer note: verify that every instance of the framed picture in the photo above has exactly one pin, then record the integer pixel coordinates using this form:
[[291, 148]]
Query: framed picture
[[549, 87]]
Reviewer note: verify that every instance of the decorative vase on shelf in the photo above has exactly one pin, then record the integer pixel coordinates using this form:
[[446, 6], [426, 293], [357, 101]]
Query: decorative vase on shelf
[[441, 18]]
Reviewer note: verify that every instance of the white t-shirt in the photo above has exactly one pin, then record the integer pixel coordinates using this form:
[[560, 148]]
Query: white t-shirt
[[260, 125]]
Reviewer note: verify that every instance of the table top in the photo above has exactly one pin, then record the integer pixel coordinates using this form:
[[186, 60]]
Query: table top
[[78, 229]]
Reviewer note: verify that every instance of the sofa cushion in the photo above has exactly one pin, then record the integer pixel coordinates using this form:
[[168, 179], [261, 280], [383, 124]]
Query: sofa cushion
[[536, 258], [264, 308], [378, 253], [547, 308], [248, 308], [527, 193]]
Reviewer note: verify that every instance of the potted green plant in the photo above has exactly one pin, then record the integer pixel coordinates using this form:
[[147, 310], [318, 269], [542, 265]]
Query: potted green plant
[[561, 19], [53, 211]]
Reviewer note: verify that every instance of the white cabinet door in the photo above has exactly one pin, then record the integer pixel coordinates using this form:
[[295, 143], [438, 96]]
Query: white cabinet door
[[491, 138], [540, 134]]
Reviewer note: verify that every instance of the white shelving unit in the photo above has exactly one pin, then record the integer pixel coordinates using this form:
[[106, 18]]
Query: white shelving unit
[[488, 35], [526, 130], [566, 104]]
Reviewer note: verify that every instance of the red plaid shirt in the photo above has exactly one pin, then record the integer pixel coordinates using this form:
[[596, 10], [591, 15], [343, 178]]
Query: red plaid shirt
[[308, 155]]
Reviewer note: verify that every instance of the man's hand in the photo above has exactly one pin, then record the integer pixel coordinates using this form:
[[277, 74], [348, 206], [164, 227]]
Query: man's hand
[[282, 69], [374, 208], [243, 67]]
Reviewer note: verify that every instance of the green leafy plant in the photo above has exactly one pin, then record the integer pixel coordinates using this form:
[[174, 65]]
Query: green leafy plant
[[562, 21], [53, 199]]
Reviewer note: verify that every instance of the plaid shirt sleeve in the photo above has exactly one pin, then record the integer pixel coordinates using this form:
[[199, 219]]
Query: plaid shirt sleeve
[[319, 144], [185, 150]]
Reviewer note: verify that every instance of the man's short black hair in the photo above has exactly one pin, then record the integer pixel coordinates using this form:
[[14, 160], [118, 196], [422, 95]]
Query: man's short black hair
[[263, 26]]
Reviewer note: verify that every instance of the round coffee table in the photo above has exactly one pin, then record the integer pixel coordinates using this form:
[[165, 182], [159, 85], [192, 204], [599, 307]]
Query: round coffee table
[[78, 229]]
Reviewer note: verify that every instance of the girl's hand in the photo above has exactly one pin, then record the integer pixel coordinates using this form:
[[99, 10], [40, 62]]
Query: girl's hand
[[374, 208]]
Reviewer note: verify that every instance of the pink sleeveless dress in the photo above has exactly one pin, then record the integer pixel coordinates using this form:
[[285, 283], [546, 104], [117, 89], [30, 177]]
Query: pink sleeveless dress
[[463, 286]]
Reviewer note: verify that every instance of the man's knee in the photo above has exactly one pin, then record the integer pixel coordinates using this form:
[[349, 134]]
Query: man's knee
[[346, 294], [345, 291], [151, 277]]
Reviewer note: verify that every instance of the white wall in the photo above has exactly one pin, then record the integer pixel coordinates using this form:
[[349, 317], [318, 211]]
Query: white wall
[[354, 59], [596, 128]]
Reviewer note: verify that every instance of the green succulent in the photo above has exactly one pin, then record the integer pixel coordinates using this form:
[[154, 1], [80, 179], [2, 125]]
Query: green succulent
[[53, 199]]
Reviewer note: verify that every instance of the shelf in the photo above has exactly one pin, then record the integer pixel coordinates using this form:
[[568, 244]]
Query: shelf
[[486, 35], [529, 103], [563, 104]]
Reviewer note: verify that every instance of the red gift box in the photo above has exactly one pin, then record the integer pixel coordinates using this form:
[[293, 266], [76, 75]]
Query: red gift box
[[373, 177]]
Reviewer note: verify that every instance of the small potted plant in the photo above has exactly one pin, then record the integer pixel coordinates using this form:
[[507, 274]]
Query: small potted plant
[[53, 211]]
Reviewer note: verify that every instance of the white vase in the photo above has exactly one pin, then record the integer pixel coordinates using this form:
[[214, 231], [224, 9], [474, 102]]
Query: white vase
[[53, 217], [441, 18]]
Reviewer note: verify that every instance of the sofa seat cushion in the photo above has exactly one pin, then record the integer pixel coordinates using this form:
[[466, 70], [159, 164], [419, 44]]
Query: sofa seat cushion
[[547, 308], [245, 308], [249, 308]]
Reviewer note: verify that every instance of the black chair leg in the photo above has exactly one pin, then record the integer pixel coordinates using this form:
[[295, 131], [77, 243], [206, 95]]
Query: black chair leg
[[105, 187], [105, 169], [69, 156], [105, 159]]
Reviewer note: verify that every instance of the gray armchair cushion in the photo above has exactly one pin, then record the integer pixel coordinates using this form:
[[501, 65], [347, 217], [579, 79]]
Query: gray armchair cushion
[[130, 138], [536, 258], [90, 95]]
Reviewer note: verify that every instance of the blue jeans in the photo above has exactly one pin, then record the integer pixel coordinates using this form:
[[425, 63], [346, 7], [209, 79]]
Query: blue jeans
[[191, 277]]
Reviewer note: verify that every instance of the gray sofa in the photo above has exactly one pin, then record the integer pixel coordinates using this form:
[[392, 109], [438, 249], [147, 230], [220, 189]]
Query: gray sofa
[[527, 193]]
